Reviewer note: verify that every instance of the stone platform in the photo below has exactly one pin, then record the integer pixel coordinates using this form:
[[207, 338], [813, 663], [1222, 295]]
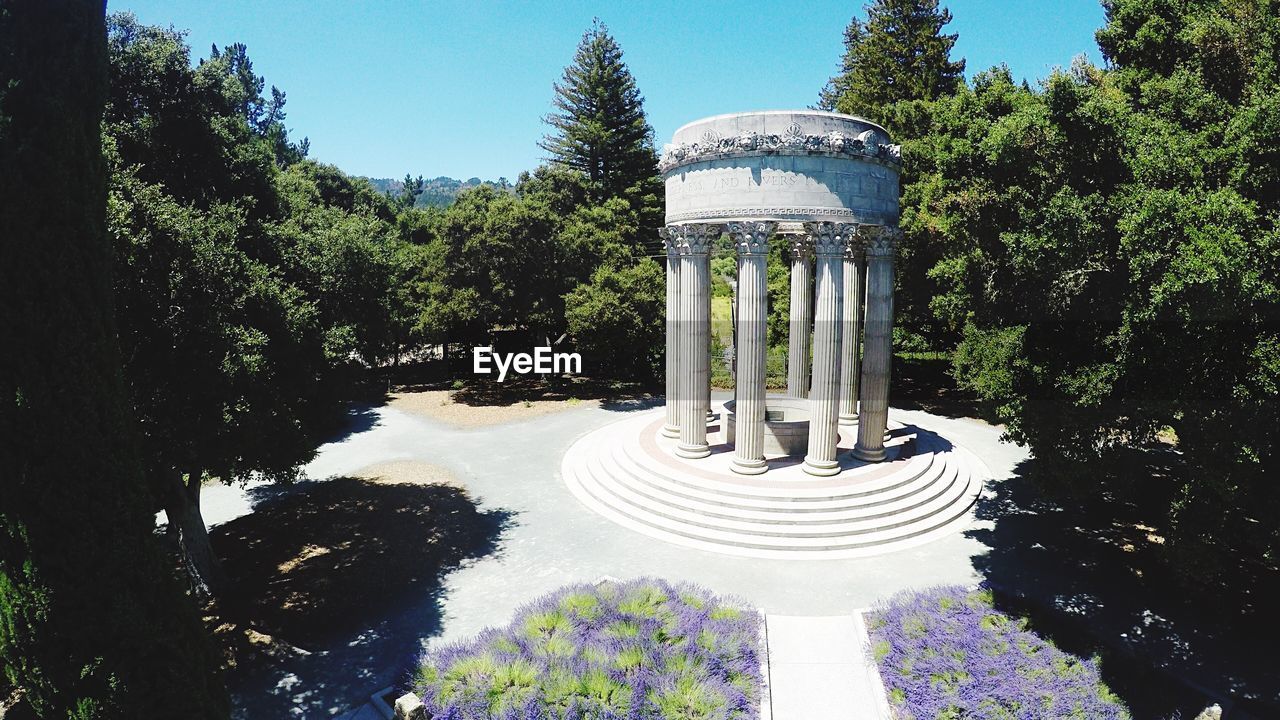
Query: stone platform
[[628, 472]]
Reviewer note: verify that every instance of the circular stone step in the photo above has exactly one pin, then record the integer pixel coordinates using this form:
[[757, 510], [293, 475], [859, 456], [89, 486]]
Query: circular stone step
[[628, 472]]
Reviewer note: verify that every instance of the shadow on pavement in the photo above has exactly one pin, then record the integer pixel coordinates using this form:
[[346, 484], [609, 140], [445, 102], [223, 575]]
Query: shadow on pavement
[[339, 581], [360, 417], [631, 403], [1093, 574]]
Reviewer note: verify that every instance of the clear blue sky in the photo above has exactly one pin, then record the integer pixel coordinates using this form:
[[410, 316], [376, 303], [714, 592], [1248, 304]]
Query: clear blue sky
[[442, 87]]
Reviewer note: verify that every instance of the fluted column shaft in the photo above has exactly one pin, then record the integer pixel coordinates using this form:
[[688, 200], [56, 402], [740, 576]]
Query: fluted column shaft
[[824, 397], [855, 274], [671, 424], [752, 241], [800, 316], [706, 390], [695, 286], [873, 416]]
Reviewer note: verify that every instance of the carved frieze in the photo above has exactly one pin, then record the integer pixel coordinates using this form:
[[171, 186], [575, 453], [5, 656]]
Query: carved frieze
[[799, 213], [868, 144]]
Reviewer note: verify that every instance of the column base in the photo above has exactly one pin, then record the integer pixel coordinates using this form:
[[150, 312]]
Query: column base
[[821, 468], [693, 452], [849, 419], [671, 431], [868, 455], [749, 467]]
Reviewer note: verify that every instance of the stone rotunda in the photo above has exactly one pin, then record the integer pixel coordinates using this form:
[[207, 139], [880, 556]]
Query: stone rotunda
[[820, 471]]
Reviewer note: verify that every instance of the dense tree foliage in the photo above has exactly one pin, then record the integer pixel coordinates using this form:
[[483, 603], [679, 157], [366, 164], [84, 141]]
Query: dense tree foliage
[[249, 279], [92, 621], [501, 265], [1109, 250], [897, 54], [438, 192], [618, 319], [513, 267]]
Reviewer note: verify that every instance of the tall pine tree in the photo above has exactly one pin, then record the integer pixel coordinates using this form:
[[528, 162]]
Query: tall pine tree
[[599, 125], [896, 62], [898, 53], [92, 622]]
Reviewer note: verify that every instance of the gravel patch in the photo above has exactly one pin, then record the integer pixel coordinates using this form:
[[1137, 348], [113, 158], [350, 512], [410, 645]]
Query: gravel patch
[[410, 472], [440, 405]]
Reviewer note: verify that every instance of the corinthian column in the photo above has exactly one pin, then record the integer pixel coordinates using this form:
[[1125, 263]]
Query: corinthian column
[[706, 390], [873, 417], [800, 318], [855, 283], [824, 398], [752, 241], [695, 286], [670, 241]]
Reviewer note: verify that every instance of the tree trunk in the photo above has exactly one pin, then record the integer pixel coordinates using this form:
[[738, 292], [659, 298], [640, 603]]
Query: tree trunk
[[183, 512]]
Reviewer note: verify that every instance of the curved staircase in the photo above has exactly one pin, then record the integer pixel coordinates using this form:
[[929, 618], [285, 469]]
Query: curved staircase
[[628, 472]]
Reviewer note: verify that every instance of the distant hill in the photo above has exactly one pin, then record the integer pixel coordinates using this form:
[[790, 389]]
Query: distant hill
[[438, 192]]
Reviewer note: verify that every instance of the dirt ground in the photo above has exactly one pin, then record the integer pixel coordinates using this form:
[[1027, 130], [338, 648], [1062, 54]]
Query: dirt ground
[[412, 472], [477, 403], [442, 405]]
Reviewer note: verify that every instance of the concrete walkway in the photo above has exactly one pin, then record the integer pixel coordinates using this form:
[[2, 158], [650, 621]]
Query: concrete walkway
[[550, 541], [819, 668]]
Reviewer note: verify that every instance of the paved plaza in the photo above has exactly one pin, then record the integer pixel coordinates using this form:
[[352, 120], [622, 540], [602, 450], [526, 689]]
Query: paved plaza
[[551, 540]]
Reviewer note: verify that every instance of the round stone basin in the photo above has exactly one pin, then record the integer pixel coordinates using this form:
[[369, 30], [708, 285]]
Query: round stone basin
[[786, 425]]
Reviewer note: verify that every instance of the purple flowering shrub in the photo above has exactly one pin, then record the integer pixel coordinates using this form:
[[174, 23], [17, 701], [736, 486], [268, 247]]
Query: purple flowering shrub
[[947, 653], [616, 651]]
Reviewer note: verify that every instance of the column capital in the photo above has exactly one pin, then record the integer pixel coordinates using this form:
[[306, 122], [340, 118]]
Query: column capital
[[670, 242], [800, 245], [692, 238], [855, 247], [751, 238], [880, 240], [831, 239]]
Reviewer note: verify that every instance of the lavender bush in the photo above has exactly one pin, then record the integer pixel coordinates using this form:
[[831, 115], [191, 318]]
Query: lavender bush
[[946, 653], [644, 649]]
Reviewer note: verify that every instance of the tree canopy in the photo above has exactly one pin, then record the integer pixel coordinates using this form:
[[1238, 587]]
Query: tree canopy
[[92, 621], [898, 53], [1108, 248], [249, 279]]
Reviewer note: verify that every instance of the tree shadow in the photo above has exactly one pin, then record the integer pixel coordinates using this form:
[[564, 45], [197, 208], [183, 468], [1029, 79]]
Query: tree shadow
[[327, 558], [1093, 573], [927, 385], [631, 403], [359, 417], [336, 584]]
